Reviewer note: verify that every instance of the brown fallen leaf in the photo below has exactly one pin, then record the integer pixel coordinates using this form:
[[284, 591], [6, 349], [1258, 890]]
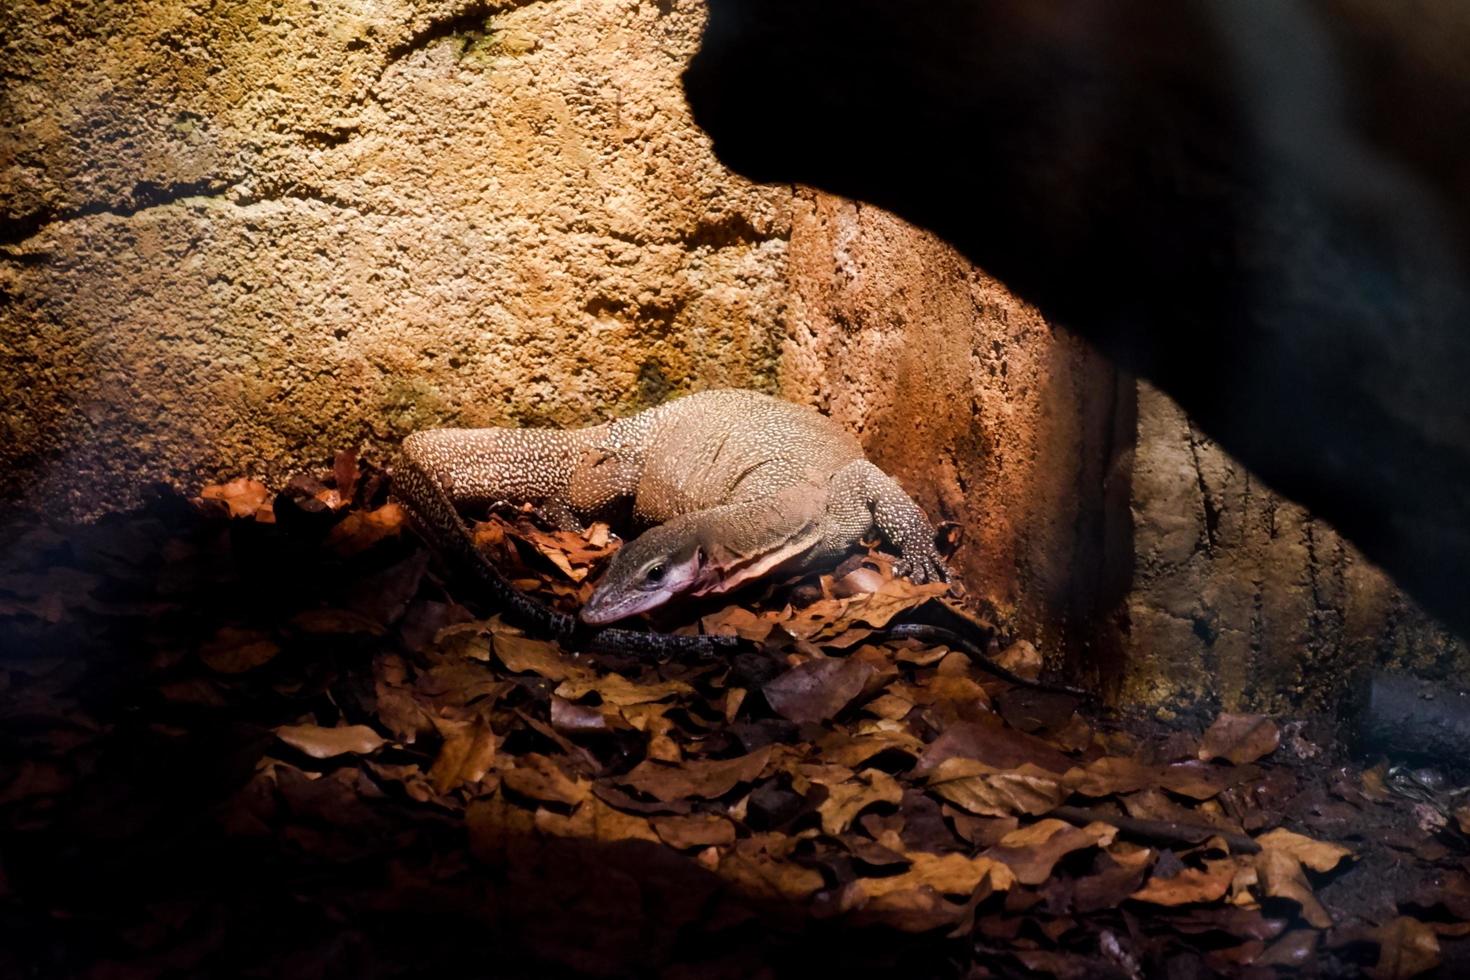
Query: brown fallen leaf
[[703, 778], [947, 874], [569, 717], [1315, 854], [540, 778], [756, 872], [523, 655], [694, 830], [1022, 659], [327, 743], [989, 792], [619, 690], [234, 651], [1109, 775], [467, 754], [1031, 852], [845, 800], [1203, 781], [1188, 885], [244, 497], [1239, 738], [360, 530], [817, 690], [996, 745], [595, 820], [1281, 876], [739, 621], [1407, 948]]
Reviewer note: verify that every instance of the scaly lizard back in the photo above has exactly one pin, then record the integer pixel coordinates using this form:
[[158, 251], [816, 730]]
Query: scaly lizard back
[[738, 485]]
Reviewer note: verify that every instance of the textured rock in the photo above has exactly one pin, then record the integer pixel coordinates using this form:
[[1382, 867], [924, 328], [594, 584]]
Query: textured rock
[[987, 415], [242, 236], [1243, 600]]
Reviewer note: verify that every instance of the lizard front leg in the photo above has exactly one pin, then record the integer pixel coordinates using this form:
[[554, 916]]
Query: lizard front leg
[[862, 497]]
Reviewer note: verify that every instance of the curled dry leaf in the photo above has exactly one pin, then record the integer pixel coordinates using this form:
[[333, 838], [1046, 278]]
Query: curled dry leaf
[[760, 874], [1031, 852], [845, 800], [1202, 781], [989, 792], [947, 874], [1188, 885], [703, 778], [995, 745], [1315, 854], [1406, 948], [244, 497], [1109, 775], [694, 830], [360, 530], [540, 778], [523, 655], [327, 743], [817, 690], [467, 754], [234, 651], [569, 717], [619, 690], [1281, 876], [595, 820], [1240, 738]]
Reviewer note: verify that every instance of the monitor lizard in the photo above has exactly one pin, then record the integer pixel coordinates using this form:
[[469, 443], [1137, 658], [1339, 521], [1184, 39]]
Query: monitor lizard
[[733, 485]]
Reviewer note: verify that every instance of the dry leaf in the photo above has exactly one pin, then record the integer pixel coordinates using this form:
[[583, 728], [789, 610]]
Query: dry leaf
[[1281, 876], [1031, 852], [817, 690], [1407, 948], [360, 530], [845, 800], [467, 754], [234, 651], [1207, 884], [704, 778], [244, 497], [1315, 854], [327, 743], [595, 820], [523, 655], [694, 830], [1240, 738], [989, 792], [540, 778], [947, 874]]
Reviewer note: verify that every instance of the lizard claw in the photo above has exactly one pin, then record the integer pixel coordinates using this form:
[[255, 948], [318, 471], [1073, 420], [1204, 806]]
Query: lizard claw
[[922, 569]]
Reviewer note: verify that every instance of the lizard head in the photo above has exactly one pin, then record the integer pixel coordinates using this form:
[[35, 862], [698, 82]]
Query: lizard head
[[661, 564]]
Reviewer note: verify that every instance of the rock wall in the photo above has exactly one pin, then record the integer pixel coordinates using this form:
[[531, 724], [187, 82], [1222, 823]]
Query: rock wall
[[236, 237], [989, 415], [1243, 600]]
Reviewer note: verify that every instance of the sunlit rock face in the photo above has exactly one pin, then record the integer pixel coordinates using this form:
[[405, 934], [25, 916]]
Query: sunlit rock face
[[239, 236]]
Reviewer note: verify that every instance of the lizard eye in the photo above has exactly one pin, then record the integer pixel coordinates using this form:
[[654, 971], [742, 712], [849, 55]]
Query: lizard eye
[[655, 572]]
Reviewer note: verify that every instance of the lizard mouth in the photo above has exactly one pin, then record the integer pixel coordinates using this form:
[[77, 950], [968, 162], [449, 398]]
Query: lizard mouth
[[601, 609]]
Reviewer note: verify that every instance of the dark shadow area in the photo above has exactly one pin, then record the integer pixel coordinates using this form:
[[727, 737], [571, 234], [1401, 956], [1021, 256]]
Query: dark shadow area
[[245, 737], [1246, 207]]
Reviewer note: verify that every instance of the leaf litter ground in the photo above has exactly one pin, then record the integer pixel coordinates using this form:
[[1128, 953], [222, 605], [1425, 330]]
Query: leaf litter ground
[[266, 736]]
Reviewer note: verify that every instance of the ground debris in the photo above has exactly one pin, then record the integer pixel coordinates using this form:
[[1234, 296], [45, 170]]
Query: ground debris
[[263, 735]]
